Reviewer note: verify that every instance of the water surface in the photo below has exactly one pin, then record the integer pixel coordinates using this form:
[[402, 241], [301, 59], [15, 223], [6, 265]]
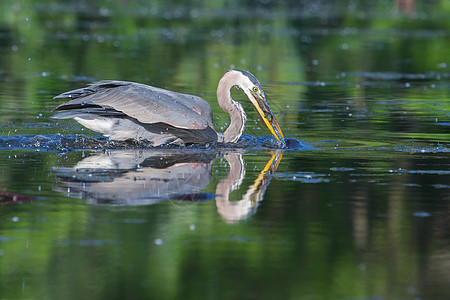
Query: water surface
[[359, 210]]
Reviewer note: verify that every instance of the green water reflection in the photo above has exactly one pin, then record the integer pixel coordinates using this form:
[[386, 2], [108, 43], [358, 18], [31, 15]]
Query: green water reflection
[[360, 214], [336, 227]]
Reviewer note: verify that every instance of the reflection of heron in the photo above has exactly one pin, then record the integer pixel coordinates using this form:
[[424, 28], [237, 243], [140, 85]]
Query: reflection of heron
[[139, 177], [143, 177], [124, 110]]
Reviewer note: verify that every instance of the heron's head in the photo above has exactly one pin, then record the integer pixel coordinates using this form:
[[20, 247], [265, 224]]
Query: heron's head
[[252, 88]]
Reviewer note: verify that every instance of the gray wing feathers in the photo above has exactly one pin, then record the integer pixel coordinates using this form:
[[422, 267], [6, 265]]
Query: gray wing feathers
[[145, 103]]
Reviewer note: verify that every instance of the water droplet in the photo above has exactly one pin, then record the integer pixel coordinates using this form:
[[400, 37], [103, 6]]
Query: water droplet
[[422, 214]]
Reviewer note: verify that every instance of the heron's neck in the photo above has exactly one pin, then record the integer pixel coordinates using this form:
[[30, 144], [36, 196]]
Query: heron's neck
[[233, 108]]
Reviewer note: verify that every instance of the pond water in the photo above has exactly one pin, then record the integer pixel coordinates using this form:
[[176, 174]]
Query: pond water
[[359, 209]]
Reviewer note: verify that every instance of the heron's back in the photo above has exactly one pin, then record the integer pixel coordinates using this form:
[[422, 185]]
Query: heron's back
[[125, 110]]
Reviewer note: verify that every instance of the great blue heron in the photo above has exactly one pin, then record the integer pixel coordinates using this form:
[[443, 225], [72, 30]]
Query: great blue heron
[[124, 110]]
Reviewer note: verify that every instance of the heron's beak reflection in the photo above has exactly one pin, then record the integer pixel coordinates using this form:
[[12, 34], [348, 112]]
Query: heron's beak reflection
[[267, 115]]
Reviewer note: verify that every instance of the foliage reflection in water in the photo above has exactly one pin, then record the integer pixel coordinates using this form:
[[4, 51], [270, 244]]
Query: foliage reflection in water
[[342, 218]]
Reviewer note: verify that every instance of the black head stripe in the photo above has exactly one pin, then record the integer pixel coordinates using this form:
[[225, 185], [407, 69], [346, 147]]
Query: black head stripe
[[251, 77]]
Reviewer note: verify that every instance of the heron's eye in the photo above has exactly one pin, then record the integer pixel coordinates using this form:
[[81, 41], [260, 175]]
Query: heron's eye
[[255, 89]]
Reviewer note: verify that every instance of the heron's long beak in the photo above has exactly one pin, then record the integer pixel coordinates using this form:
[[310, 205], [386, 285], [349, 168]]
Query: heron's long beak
[[267, 115]]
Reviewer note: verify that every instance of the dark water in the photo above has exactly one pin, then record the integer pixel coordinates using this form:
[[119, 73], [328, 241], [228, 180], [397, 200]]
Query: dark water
[[356, 208]]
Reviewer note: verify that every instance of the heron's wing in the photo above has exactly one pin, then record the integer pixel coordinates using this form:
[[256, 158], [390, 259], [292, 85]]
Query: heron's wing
[[145, 103]]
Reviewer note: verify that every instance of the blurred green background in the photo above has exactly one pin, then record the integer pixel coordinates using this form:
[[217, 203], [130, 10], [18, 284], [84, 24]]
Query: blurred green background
[[307, 54]]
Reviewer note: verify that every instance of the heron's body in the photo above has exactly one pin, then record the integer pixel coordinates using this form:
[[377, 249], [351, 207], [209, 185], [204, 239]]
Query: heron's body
[[124, 110]]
